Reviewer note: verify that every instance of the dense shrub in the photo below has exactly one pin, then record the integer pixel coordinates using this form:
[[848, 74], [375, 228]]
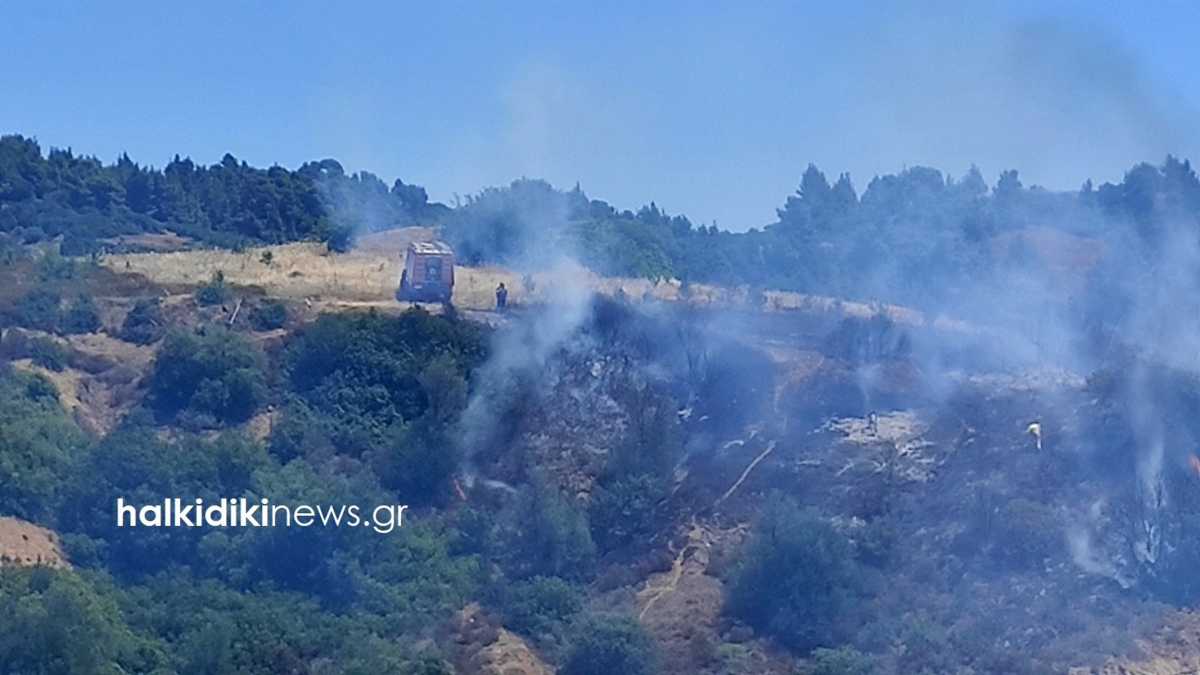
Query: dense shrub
[[417, 461], [215, 373], [134, 463], [215, 292], [39, 309], [54, 267], [541, 607], [54, 622], [797, 579], [39, 445], [360, 376], [653, 441], [545, 534], [868, 340], [623, 511], [81, 316], [48, 354], [268, 315], [610, 644], [144, 323], [1026, 532]]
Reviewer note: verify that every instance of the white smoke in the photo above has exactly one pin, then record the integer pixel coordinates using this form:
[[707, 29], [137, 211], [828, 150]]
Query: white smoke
[[521, 351]]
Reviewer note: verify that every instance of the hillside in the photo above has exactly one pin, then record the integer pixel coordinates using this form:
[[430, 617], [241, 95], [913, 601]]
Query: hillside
[[638, 467], [945, 498]]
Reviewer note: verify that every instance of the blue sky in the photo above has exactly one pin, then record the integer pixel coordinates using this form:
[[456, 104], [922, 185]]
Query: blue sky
[[710, 109]]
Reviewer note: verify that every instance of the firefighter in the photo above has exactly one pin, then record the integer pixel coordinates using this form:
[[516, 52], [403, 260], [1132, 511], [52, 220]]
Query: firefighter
[[1035, 430], [501, 297]]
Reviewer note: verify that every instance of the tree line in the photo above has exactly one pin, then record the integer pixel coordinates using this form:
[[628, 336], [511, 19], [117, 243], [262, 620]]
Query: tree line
[[83, 200]]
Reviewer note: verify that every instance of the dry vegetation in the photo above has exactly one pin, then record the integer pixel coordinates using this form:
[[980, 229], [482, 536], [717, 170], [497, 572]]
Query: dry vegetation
[[23, 543], [98, 385], [368, 276]]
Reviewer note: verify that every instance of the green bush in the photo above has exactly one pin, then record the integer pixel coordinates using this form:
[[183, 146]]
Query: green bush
[[417, 461], [39, 309], [362, 374], [54, 622], [134, 463], [48, 354], [653, 442], [40, 445], [546, 535], [797, 579], [300, 432], [81, 317], [268, 315], [624, 511], [215, 292], [609, 644], [926, 646], [145, 323], [215, 372], [541, 607], [339, 237], [53, 267]]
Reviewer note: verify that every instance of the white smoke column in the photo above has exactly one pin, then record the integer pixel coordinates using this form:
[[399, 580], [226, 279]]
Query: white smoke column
[[1148, 430], [523, 349], [1080, 543], [1086, 554]]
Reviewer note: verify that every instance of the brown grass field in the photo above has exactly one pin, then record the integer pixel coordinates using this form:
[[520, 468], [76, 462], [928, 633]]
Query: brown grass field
[[23, 544], [368, 275]]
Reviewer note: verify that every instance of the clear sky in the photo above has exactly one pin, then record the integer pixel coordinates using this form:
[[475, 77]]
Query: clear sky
[[710, 109]]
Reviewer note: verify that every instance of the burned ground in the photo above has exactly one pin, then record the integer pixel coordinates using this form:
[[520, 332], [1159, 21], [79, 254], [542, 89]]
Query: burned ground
[[979, 545]]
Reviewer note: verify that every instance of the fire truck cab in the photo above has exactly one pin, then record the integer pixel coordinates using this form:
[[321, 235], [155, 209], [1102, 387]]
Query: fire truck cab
[[428, 274]]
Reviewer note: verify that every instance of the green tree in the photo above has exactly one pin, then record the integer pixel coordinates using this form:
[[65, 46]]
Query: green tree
[[39, 309], [545, 534], [215, 292], [623, 511], [268, 315], [144, 323], [542, 608], [40, 445], [48, 354], [797, 580], [81, 317], [418, 461], [611, 644], [215, 372], [54, 623]]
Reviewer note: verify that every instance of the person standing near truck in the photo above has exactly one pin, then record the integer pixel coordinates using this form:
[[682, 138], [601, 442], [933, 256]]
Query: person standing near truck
[[501, 297]]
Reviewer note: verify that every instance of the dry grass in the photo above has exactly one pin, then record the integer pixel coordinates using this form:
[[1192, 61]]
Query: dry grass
[[368, 275], [151, 241], [68, 382], [98, 386], [95, 405], [25, 544]]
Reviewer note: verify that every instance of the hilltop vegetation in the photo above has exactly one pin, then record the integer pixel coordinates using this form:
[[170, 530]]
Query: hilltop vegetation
[[230, 203], [920, 237], [938, 234]]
